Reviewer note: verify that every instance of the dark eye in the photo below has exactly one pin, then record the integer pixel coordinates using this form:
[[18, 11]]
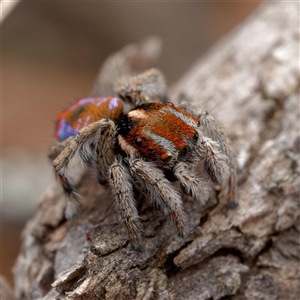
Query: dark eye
[[196, 136], [139, 142], [168, 159], [183, 152]]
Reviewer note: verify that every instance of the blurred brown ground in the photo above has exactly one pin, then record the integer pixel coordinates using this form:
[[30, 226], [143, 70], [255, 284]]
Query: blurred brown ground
[[51, 53]]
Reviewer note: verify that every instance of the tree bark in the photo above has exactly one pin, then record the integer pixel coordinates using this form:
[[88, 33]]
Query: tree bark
[[250, 83]]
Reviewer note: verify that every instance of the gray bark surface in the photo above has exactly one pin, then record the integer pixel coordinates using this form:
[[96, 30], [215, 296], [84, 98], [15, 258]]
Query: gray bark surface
[[250, 83]]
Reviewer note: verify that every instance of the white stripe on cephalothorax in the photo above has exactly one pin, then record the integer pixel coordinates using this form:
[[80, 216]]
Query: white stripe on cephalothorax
[[182, 117], [166, 144], [126, 147]]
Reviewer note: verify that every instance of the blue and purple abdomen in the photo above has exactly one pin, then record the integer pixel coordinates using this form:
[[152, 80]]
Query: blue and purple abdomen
[[84, 112]]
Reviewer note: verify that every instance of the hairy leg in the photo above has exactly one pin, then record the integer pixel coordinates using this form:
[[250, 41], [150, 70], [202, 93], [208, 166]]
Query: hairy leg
[[215, 162], [191, 183], [78, 153], [213, 130], [105, 152], [58, 147], [210, 127], [121, 186], [159, 189]]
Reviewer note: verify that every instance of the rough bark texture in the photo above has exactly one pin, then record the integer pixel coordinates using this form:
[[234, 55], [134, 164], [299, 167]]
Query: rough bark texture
[[250, 83]]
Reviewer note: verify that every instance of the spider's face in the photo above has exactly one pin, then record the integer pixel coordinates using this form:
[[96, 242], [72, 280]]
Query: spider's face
[[158, 132]]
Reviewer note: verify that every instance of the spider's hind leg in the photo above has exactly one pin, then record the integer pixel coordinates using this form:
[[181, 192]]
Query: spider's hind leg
[[78, 152]]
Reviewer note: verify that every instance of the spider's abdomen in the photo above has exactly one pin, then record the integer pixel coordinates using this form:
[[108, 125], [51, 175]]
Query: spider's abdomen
[[157, 131], [84, 112]]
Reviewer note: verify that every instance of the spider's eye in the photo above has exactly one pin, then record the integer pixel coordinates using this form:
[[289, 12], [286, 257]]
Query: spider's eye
[[196, 136], [167, 159], [139, 142], [183, 152]]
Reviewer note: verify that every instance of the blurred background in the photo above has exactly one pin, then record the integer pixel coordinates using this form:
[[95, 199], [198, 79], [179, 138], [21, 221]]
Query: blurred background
[[51, 52]]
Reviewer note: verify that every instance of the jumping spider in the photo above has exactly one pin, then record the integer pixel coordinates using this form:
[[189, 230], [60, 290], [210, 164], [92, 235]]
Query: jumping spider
[[138, 142]]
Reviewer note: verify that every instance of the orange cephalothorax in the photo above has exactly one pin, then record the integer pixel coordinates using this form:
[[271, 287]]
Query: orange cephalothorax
[[84, 112], [157, 131]]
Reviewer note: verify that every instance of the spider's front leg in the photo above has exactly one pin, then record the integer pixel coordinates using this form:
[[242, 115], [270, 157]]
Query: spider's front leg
[[121, 186], [160, 190], [79, 151]]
